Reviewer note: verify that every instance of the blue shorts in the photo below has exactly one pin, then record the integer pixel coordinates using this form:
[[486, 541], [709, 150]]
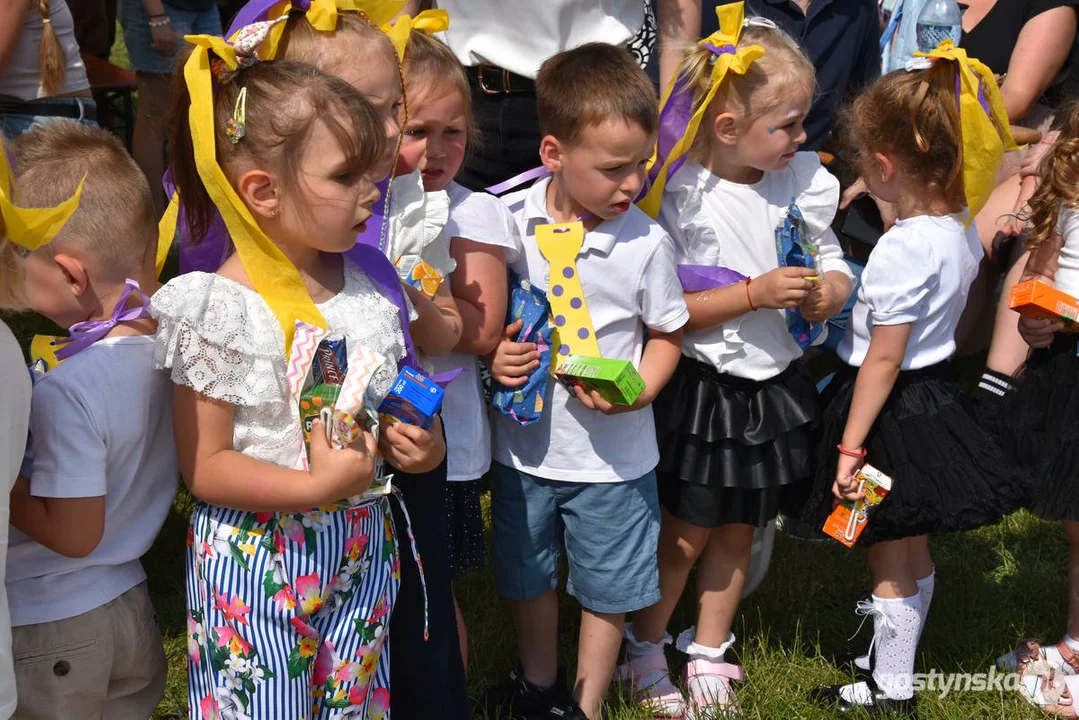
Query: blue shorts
[[610, 532], [12, 125], [137, 37]]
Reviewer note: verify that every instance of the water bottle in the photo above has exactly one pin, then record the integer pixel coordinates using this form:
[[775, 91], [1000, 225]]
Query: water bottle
[[938, 21]]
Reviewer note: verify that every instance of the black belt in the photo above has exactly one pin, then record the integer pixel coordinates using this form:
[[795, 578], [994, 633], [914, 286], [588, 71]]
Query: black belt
[[84, 109], [494, 80]]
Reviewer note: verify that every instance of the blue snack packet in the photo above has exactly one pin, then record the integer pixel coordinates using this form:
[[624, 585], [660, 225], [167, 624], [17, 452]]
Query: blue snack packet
[[525, 404], [795, 248]]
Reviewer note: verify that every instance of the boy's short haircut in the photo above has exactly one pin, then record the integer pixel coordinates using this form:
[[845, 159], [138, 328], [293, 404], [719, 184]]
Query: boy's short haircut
[[589, 85], [115, 221]]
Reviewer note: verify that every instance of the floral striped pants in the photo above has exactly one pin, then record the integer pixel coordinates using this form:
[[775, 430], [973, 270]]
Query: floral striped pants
[[288, 613]]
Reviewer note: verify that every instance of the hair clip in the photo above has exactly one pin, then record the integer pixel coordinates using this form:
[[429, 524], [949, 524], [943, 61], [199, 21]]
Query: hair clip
[[915, 64], [236, 126], [758, 21], [20, 250]]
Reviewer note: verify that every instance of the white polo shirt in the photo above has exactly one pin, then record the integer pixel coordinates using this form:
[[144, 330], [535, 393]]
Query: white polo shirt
[[520, 34], [628, 272]]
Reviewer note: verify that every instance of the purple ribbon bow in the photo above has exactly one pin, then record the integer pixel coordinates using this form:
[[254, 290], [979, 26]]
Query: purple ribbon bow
[[85, 334]]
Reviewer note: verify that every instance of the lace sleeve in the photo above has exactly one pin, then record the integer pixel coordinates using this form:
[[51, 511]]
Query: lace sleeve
[[220, 340]]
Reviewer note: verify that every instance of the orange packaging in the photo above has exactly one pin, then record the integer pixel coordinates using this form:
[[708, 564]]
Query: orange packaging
[[1042, 301], [848, 519]]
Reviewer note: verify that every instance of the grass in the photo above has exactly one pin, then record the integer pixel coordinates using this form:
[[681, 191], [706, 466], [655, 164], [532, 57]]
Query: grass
[[994, 586]]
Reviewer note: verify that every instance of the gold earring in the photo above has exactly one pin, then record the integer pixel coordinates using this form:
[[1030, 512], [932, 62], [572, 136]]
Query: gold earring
[[273, 212]]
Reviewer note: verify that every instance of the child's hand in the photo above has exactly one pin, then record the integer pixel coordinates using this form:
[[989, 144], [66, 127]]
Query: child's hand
[[511, 362], [1038, 333], [593, 401], [845, 486], [345, 472], [781, 288], [823, 301], [410, 448]]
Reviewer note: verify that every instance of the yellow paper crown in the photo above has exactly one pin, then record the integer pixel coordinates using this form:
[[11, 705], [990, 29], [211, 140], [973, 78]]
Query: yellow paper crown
[[728, 58], [30, 228], [983, 141]]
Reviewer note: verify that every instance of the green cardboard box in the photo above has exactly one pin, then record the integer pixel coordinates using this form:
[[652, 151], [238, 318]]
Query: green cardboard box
[[617, 381]]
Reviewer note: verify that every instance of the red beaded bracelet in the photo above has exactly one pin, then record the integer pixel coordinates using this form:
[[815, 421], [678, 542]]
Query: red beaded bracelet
[[749, 297], [850, 453]]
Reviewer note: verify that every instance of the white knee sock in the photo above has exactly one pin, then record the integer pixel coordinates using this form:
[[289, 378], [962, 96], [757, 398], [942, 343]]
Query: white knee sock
[[897, 627], [925, 592]]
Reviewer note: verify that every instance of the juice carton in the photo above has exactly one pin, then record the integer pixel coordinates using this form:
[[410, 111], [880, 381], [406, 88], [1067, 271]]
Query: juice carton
[[413, 399], [848, 519], [1042, 301], [419, 274], [617, 381]]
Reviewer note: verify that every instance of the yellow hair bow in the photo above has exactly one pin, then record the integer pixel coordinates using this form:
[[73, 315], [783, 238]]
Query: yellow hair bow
[[983, 141], [30, 228], [428, 21], [678, 120], [321, 14], [273, 276]]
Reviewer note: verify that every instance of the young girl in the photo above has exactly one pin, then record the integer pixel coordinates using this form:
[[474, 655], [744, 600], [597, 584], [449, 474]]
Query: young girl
[[482, 237], [423, 628], [288, 605], [734, 422], [1044, 410], [896, 403]]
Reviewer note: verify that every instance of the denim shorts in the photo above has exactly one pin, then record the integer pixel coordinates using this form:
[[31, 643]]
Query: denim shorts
[[137, 36], [610, 532], [13, 125]]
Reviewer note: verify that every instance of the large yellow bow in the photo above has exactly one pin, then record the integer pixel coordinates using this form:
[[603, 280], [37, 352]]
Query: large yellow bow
[[983, 141], [428, 21], [273, 276], [677, 99], [30, 228], [322, 15]]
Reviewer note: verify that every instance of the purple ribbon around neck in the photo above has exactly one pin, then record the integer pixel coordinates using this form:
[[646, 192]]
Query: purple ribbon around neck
[[518, 180], [695, 278], [85, 334]]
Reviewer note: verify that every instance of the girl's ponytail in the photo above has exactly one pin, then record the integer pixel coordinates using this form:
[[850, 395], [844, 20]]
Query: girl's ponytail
[[50, 53], [1059, 186]]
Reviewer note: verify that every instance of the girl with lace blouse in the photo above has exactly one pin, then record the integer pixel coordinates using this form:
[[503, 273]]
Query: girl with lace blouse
[[289, 586], [734, 421]]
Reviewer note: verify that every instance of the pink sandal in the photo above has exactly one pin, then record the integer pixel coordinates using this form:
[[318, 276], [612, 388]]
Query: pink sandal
[[652, 686], [707, 697]]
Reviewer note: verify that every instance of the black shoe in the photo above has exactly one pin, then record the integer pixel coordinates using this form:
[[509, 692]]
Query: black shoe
[[566, 711], [846, 665], [879, 704], [517, 699]]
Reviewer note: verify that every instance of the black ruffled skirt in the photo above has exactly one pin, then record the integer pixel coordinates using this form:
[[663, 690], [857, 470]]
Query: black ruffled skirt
[[734, 450], [949, 474], [1043, 432]]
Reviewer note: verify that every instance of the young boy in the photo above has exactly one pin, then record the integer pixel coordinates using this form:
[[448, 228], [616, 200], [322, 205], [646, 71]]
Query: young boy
[[584, 471], [102, 471]]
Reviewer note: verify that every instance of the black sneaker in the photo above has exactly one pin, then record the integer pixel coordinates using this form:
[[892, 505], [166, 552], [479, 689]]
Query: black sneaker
[[517, 699], [567, 711]]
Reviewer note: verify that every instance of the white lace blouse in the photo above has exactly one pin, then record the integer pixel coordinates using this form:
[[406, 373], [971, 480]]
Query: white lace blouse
[[222, 340]]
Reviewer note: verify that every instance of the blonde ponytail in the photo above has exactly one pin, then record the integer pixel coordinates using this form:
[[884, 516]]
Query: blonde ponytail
[[50, 53]]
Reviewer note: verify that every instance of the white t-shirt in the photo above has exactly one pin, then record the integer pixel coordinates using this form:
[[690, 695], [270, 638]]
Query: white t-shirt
[[719, 223], [1067, 275], [15, 380], [919, 273], [100, 424], [520, 34], [630, 280], [484, 219]]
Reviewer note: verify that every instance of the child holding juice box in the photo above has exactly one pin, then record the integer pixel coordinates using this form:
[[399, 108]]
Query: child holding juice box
[[896, 403], [1046, 407], [734, 423]]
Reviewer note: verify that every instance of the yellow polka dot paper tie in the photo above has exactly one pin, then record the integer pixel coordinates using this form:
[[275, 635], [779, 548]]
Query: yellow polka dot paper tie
[[573, 332]]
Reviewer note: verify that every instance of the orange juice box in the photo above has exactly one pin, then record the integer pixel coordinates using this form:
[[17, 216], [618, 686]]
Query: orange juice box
[[1042, 301], [848, 519], [417, 273]]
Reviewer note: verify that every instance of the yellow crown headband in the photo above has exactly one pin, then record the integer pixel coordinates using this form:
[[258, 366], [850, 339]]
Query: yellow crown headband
[[678, 121], [980, 104], [30, 228]]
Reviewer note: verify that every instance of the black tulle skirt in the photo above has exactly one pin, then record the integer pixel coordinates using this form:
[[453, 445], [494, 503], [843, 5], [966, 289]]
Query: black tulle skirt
[[949, 474], [734, 450], [1040, 428]]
